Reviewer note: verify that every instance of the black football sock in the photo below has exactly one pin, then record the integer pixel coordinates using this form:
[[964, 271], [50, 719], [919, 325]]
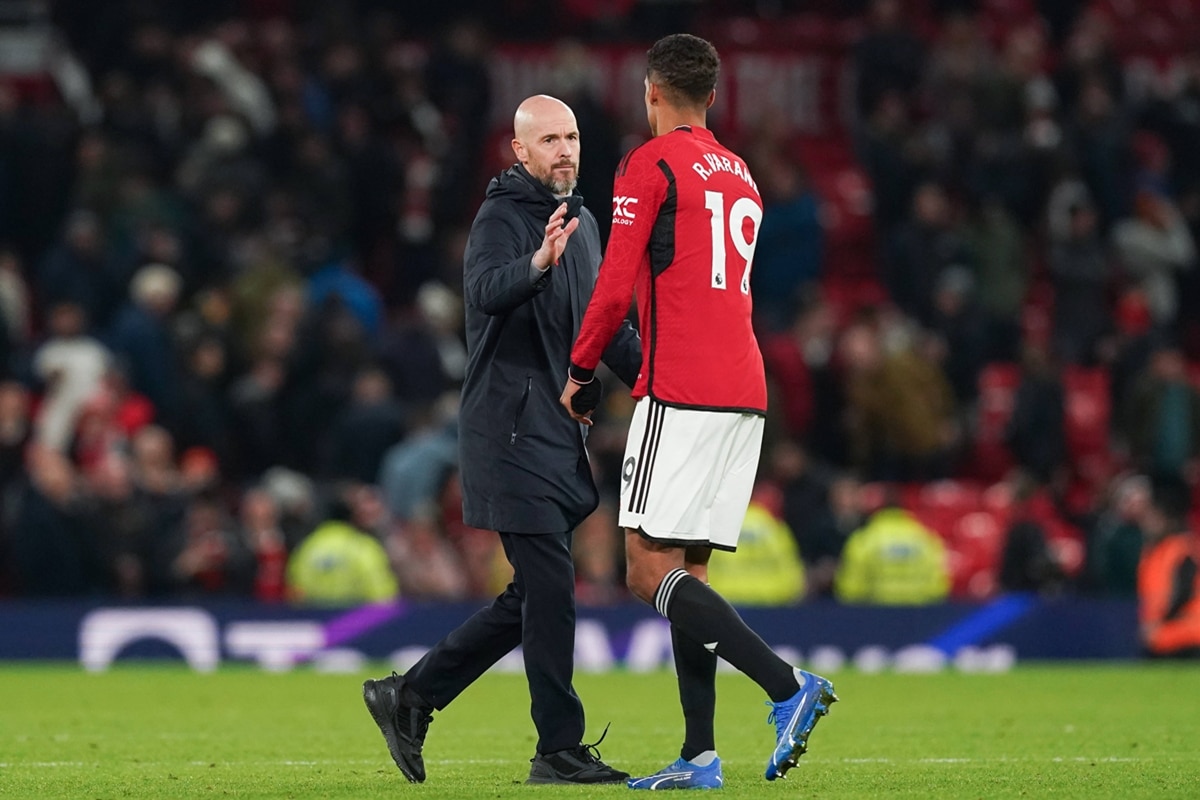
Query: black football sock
[[696, 669], [705, 616]]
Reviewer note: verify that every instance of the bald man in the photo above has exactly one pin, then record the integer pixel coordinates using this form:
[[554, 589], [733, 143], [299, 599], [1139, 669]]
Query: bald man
[[530, 264]]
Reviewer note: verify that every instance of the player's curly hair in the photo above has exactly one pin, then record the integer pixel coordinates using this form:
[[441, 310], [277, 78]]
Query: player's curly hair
[[685, 65]]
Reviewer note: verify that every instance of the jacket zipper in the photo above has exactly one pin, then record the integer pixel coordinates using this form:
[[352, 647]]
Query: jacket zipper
[[521, 409]]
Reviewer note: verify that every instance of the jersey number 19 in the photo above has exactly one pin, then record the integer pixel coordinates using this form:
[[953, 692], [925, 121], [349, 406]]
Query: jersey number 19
[[743, 209]]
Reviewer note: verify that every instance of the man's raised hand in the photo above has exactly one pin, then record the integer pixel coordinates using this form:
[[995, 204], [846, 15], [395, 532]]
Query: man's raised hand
[[555, 239]]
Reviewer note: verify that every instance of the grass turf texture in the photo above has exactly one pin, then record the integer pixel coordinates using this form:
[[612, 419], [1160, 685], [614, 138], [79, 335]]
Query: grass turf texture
[[1085, 731]]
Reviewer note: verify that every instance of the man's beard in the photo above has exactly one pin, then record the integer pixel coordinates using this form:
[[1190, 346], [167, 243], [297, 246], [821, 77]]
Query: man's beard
[[561, 186]]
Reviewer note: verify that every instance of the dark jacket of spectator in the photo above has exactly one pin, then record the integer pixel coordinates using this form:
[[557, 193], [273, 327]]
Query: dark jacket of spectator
[[365, 429], [923, 248], [77, 270], [1026, 564], [1162, 417], [1079, 270], [790, 244], [54, 555], [141, 334], [1037, 429]]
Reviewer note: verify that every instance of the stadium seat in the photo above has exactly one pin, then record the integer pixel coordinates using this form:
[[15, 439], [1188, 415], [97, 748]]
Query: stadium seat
[[998, 500], [810, 32], [943, 504], [847, 200], [1064, 539], [998, 17], [978, 538], [847, 295], [971, 520], [991, 458], [1088, 411], [1088, 417]]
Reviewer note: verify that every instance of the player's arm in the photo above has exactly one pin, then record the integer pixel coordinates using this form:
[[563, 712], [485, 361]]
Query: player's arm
[[642, 188], [613, 293], [624, 353], [499, 275]]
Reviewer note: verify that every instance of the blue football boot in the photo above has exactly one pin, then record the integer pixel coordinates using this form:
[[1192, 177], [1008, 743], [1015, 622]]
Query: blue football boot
[[794, 720], [682, 775]]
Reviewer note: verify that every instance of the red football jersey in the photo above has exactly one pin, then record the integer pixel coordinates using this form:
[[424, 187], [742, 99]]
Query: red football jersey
[[686, 215]]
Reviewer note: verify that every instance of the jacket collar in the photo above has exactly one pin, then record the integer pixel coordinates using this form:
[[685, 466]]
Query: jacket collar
[[518, 179]]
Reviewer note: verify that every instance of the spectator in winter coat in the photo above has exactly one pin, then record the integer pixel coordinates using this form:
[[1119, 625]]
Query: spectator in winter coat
[[1162, 417], [1079, 270], [1153, 246]]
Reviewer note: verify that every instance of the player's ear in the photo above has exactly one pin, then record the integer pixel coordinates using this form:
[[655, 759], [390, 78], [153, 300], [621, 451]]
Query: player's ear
[[712, 97]]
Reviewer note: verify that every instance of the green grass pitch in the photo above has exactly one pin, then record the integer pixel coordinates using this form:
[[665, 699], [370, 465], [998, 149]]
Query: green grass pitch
[[145, 731]]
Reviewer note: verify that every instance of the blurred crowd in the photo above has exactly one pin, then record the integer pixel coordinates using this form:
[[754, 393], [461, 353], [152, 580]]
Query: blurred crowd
[[230, 268]]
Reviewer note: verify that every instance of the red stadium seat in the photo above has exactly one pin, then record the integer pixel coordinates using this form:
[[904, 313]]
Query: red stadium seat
[[810, 32], [1088, 412], [941, 505], [1088, 418], [847, 202], [973, 531], [847, 295], [979, 538], [1064, 539], [998, 500], [991, 458]]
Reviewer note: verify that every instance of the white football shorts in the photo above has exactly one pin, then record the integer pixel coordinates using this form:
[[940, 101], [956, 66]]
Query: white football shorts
[[687, 474]]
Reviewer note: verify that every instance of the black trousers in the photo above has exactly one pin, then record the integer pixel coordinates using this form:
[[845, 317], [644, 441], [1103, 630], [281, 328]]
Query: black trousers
[[536, 611]]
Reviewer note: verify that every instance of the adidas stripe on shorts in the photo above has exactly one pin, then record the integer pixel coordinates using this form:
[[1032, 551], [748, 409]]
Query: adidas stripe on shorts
[[687, 474]]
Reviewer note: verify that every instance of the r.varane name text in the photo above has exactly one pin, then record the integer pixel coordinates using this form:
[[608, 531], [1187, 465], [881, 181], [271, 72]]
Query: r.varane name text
[[714, 163]]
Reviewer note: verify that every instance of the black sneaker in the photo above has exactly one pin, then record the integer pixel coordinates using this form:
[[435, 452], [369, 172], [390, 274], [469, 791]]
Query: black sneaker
[[579, 764], [403, 718]]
